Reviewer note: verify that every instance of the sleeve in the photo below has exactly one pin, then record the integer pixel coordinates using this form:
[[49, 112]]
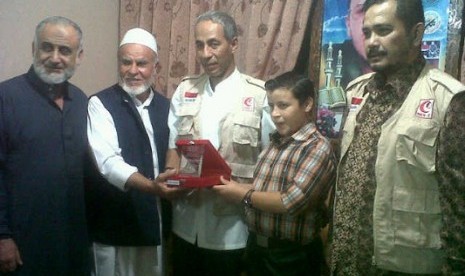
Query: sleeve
[[267, 124], [103, 141], [313, 178], [451, 172], [4, 194], [173, 118]]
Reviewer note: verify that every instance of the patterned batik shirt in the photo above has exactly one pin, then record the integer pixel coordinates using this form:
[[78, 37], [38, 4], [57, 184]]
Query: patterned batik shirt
[[302, 168], [353, 221], [451, 172]]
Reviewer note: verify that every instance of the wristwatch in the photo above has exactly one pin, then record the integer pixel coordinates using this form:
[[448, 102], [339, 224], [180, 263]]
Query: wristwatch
[[247, 200]]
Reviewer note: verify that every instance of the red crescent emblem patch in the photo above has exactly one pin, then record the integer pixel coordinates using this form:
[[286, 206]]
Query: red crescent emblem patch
[[248, 104], [425, 109]]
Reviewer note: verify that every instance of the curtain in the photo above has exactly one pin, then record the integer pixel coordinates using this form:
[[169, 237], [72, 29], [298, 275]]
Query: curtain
[[270, 34]]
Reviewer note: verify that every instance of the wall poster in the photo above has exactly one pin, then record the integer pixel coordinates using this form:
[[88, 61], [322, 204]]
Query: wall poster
[[343, 55]]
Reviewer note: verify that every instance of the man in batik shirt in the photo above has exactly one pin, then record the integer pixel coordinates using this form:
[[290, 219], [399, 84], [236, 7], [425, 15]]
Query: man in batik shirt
[[401, 179]]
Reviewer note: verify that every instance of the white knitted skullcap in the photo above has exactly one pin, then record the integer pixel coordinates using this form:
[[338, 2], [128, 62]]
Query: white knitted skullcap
[[140, 36]]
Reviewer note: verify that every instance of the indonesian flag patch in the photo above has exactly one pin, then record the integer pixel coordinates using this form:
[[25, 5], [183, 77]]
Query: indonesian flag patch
[[190, 96], [355, 103]]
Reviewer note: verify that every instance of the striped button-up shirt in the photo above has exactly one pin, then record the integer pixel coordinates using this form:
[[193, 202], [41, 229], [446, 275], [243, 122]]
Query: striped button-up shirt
[[302, 168]]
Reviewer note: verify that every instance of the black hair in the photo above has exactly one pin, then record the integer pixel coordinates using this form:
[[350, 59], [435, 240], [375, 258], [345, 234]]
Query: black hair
[[410, 12], [300, 85]]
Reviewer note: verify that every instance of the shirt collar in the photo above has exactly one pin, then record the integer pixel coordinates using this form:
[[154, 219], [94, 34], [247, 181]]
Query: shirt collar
[[302, 134], [400, 82], [144, 104], [48, 90], [230, 81]]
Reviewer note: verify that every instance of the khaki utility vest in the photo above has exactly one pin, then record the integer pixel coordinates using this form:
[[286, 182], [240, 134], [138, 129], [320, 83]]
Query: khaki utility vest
[[407, 215], [239, 132]]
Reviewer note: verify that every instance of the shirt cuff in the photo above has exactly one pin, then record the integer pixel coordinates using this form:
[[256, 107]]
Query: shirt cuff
[[120, 174]]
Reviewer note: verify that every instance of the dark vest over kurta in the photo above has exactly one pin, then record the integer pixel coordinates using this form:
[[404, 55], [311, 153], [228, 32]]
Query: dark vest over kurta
[[130, 218], [42, 151]]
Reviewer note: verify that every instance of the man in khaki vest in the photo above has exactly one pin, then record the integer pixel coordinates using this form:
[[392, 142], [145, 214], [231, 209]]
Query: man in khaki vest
[[401, 179], [225, 107]]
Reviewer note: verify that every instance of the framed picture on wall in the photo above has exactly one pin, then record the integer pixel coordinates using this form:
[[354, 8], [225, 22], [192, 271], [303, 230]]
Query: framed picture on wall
[[343, 54]]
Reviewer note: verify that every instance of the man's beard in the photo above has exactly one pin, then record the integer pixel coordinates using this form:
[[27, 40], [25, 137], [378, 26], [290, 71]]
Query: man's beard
[[134, 91], [52, 78]]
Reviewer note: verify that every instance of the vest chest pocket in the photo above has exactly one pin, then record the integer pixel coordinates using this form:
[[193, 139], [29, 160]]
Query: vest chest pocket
[[416, 144], [416, 210], [185, 123], [185, 127], [246, 129]]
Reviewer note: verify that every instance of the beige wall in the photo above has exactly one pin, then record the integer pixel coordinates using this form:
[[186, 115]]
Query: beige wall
[[98, 20]]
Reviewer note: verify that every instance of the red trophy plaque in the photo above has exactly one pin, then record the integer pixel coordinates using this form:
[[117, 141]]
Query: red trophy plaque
[[200, 166]]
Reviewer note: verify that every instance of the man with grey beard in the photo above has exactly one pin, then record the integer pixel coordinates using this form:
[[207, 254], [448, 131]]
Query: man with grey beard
[[128, 134], [43, 146]]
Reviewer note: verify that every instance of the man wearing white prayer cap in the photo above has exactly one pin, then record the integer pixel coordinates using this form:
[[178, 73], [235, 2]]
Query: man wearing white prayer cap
[[128, 134]]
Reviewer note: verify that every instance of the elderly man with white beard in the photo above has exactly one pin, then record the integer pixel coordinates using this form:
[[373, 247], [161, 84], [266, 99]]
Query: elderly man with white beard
[[128, 134], [43, 146]]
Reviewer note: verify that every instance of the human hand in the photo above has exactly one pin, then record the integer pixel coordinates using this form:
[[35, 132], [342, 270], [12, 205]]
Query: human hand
[[10, 258], [231, 190], [169, 192]]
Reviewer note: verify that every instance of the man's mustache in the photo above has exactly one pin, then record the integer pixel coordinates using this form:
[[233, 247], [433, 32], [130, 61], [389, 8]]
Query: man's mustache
[[374, 52]]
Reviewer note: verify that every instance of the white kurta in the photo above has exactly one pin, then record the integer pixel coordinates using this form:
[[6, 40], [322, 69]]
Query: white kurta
[[103, 139]]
